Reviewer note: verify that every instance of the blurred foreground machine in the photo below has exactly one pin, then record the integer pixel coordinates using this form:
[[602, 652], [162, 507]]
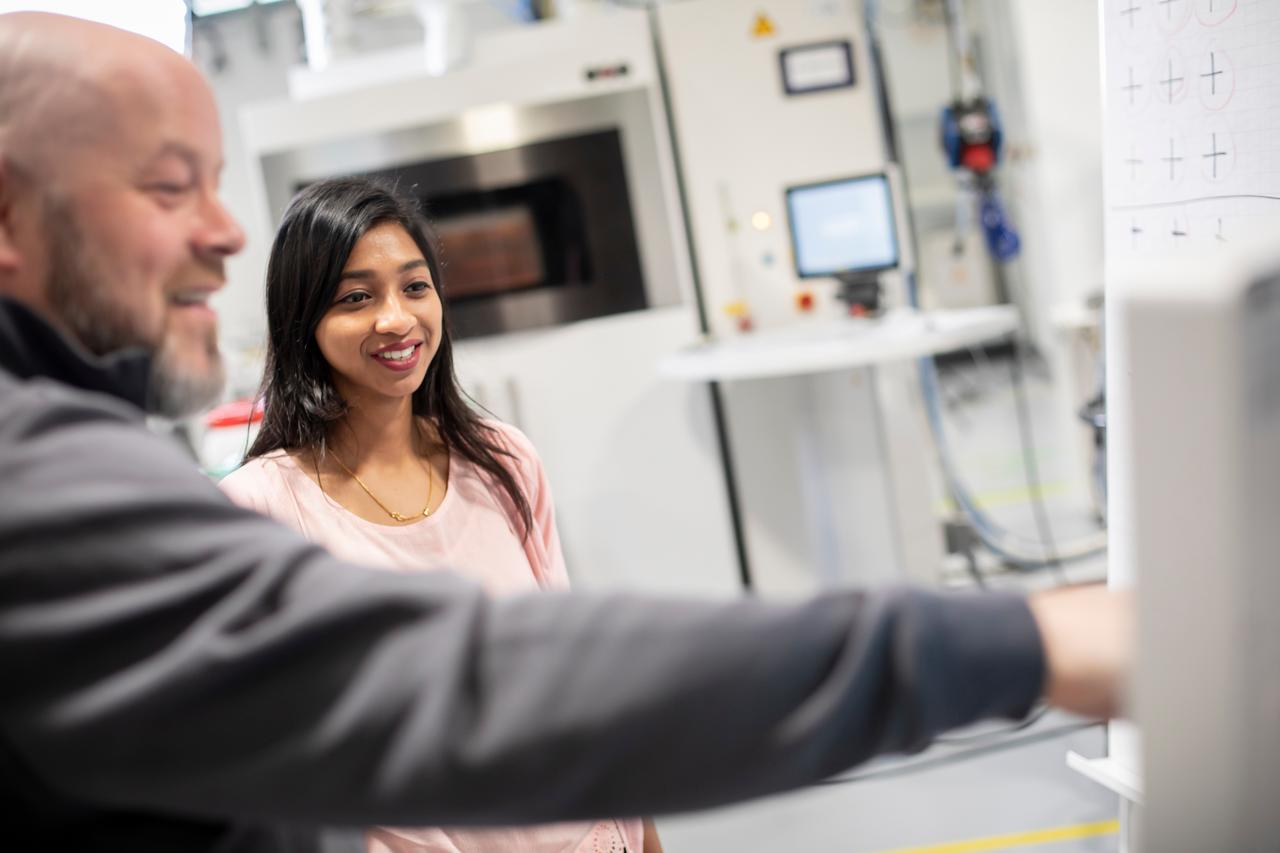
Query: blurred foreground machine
[[1195, 436]]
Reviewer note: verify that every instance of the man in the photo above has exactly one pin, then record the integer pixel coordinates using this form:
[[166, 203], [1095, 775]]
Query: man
[[181, 674]]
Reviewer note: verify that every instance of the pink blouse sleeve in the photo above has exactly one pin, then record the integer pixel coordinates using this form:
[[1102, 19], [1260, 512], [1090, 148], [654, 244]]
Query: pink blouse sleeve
[[543, 544], [555, 575], [248, 487]]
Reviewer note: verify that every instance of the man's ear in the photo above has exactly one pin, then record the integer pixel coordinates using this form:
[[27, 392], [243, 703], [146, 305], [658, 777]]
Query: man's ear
[[9, 256]]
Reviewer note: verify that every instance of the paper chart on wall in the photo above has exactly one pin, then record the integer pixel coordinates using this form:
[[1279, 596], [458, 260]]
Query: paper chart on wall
[[1192, 134]]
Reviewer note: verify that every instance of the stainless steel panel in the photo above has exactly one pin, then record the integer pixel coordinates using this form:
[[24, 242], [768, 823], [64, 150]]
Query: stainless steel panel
[[629, 112]]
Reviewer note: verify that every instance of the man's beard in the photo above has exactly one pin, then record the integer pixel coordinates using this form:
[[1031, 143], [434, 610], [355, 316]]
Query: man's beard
[[174, 393], [104, 327]]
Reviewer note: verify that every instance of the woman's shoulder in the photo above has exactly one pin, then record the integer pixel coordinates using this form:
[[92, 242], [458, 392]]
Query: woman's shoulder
[[507, 433], [514, 441], [259, 476]]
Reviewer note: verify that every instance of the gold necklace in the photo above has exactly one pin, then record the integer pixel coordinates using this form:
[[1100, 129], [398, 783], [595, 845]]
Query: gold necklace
[[426, 510]]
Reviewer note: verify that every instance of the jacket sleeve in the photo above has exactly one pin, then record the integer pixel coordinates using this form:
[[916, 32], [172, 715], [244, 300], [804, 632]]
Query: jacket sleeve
[[163, 649]]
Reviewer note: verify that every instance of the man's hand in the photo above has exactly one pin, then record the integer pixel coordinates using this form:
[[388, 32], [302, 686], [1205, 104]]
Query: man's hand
[[1088, 638]]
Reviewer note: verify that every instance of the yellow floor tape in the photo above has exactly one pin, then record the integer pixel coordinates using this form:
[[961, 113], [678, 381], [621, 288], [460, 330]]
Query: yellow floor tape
[[993, 498], [1018, 839]]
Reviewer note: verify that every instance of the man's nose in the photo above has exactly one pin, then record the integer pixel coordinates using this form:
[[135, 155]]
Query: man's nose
[[220, 234]]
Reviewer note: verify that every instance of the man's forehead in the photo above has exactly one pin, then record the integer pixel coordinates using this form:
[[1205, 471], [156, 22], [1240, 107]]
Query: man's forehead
[[156, 117], [181, 151], [86, 103]]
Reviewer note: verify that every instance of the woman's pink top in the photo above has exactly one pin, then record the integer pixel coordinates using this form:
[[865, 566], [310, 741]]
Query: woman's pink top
[[474, 531]]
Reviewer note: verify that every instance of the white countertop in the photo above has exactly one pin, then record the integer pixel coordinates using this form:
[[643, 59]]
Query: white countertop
[[805, 348]]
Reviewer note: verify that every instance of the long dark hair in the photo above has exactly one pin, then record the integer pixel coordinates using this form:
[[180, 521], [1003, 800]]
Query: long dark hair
[[321, 227]]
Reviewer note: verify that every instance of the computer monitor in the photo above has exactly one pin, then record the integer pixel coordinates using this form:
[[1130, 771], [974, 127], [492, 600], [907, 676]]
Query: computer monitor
[[1193, 348], [843, 228]]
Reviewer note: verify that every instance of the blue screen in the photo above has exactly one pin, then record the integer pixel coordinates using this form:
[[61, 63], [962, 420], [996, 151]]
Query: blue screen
[[843, 226]]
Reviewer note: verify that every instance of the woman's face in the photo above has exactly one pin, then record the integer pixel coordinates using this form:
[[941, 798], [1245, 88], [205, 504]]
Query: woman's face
[[383, 327]]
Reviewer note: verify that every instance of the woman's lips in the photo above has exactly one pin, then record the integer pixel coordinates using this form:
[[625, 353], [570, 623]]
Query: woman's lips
[[399, 364]]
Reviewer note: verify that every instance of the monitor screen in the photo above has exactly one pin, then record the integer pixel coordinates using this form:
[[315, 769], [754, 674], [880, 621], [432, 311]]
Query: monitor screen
[[843, 226]]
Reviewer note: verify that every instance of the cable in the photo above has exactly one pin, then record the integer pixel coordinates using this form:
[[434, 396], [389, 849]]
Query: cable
[[954, 57], [1010, 547], [1029, 464], [971, 564], [1026, 436], [1013, 549]]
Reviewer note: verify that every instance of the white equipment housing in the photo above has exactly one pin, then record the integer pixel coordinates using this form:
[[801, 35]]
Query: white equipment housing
[[1195, 435]]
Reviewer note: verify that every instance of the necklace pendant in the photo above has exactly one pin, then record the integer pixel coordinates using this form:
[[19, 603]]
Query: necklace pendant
[[426, 511], [398, 517]]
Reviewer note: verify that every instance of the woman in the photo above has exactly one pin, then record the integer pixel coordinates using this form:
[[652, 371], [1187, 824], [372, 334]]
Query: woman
[[368, 447]]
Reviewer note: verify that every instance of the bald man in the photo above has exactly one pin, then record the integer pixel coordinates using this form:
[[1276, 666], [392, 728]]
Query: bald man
[[111, 155], [180, 674]]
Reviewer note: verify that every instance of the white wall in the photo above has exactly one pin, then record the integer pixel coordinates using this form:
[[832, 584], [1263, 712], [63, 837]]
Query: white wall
[[1046, 58], [254, 49], [1040, 63], [915, 54]]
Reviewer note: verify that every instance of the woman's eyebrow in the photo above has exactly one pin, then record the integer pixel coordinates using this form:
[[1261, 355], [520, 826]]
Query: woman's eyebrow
[[405, 267]]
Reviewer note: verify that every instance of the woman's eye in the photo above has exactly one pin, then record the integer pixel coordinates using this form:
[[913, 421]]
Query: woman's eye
[[418, 287], [353, 298]]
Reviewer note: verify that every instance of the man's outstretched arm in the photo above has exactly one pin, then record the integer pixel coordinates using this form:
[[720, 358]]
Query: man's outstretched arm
[[166, 650]]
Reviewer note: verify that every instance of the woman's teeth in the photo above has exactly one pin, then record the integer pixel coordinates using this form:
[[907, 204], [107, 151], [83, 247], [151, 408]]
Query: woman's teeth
[[397, 354]]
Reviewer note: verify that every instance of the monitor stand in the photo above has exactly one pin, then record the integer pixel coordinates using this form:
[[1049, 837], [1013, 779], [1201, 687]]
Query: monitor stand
[[860, 291]]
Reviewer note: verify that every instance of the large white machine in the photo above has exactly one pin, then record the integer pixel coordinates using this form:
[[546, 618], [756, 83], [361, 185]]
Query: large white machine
[[792, 198], [1195, 430], [786, 99]]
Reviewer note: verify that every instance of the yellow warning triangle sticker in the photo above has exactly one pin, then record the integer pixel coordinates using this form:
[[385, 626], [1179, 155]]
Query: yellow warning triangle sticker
[[763, 26]]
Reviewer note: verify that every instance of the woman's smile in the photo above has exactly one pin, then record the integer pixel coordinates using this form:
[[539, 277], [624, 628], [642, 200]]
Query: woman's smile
[[399, 357]]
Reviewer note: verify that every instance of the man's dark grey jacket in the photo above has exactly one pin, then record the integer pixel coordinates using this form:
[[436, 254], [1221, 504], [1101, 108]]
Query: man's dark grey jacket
[[178, 673]]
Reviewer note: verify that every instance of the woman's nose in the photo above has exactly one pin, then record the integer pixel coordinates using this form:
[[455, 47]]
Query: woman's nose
[[393, 318]]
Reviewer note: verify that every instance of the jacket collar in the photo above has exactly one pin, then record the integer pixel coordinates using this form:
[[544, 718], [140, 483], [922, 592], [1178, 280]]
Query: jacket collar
[[31, 348]]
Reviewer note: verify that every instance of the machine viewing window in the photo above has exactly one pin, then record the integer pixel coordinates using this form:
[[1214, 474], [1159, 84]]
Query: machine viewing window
[[491, 251], [843, 227], [531, 236], [511, 238]]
